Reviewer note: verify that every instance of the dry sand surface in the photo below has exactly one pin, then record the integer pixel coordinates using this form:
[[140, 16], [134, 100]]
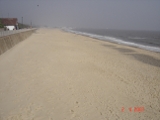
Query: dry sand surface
[[55, 75]]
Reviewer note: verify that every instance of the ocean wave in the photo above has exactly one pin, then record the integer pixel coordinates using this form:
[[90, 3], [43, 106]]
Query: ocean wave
[[115, 40]]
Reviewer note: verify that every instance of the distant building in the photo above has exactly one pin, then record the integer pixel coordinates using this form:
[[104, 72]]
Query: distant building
[[10, 22]]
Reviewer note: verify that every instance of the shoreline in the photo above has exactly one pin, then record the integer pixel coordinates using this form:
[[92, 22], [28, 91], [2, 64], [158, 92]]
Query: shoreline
[[130, 49], [155, 49]]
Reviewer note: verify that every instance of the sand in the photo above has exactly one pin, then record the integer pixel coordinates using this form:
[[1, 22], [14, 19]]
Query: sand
[[55, 75]]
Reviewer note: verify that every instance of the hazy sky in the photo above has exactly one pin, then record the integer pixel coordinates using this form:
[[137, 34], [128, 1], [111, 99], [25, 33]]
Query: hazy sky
[[113, 14]]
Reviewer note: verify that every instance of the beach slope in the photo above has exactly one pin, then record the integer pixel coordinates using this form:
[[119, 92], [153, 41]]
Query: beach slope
[[55, 75]]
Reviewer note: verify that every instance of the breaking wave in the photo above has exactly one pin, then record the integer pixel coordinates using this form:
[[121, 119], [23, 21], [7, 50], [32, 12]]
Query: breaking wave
[[115, 40]]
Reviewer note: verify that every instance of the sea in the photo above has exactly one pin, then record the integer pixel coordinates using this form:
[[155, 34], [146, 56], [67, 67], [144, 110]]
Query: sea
[[148, 40]]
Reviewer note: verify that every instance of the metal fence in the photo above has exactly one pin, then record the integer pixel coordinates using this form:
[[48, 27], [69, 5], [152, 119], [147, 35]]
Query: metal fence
[[6, 33]]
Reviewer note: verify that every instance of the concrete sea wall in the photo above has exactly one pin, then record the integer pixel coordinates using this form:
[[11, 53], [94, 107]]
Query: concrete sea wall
[[7, 42]]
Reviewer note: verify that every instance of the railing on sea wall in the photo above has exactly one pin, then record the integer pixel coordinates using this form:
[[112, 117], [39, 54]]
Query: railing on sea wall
[[11, 32]]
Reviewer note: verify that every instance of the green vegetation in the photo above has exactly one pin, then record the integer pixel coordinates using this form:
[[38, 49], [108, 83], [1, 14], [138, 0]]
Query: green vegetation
[[21, 26], [1, 25]]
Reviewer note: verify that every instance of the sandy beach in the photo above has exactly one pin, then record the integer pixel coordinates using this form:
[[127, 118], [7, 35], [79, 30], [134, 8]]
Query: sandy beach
[[55, 75]]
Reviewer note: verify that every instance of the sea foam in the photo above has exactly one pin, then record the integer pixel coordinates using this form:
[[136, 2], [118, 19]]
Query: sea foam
[[115, 40]]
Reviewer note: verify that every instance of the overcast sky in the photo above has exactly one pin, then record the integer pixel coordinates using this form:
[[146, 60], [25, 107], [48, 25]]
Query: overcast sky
[[112, 14]]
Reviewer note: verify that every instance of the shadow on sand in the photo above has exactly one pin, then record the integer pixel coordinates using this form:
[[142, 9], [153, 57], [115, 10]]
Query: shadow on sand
[[140, 57], [147, 59]]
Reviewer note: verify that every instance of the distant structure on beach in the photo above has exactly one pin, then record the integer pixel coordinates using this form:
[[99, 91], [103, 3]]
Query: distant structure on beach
[[10, 22]]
